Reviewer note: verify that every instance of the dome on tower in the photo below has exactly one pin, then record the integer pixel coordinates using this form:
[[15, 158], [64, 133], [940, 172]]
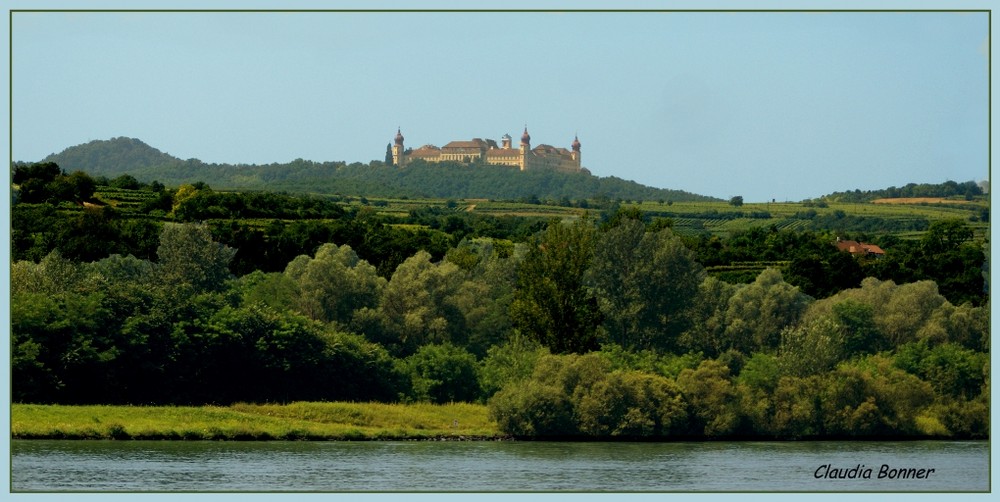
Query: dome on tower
[[399, 137], [576, 144], [525, 138]]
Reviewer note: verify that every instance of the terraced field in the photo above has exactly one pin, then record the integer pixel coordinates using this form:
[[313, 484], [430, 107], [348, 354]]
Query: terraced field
[[905, 218]]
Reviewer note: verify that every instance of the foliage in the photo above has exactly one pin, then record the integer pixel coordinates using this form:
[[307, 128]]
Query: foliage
[[188, 255], [949, 188], [46, 182], [950, 369], [510, 362], [551, 303], [631, 404], [126, 303], [758, 312], [442, 374], [711, 396], [333, 284], [644, 282]]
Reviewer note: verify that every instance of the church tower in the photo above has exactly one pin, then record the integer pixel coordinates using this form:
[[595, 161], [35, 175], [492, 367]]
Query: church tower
[[576, 151], [398, 159], [525, 148]]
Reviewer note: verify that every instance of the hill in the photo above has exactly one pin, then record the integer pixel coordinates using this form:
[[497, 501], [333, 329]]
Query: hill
[[441, 180], [111, 157]]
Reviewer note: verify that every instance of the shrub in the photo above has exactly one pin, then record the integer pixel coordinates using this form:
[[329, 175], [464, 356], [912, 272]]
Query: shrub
[[631, 404], [533, 409], [442, 374]]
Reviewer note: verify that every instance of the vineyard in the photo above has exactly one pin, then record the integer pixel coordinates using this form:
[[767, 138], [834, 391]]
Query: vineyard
[[906, 218]]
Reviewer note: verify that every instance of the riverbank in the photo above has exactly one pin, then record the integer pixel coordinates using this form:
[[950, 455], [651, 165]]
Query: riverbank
[[256, 422]]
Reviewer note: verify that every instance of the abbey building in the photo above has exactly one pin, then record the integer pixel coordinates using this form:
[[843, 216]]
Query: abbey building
[[487, 151]]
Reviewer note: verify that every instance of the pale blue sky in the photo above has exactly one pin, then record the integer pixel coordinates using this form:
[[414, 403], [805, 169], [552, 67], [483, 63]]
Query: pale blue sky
[[764, 105]]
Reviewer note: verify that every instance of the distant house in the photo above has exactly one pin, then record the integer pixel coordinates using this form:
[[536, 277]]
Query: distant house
[[860, 248]]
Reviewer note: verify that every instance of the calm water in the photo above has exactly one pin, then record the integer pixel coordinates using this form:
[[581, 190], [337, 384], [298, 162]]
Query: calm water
[[167, 466]]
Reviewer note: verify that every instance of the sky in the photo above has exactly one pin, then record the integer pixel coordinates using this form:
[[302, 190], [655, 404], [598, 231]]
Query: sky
[[779, 106]]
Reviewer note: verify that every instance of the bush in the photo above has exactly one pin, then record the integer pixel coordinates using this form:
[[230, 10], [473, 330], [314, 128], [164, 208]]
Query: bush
[[442, 374], [511, 362], [631, 404], [572, 395], [533, 409]]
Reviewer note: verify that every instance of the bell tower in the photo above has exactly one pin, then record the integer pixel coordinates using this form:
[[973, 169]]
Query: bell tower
[[398, 159], [525, 148], [576, 151]]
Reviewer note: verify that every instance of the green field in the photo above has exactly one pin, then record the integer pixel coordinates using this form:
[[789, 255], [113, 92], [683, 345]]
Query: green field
[[312, 421]]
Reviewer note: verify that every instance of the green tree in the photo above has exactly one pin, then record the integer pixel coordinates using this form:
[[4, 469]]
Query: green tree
[[644, 282], [859, 333], [509, 362], [758, 312], [736, 201], [422, 304], [811, 348], [188, 255], [707, 321], [334, 284], [42, 171], [62, 349], [631, 404], [952, 370], [711, 396], [551, 303], [533, 409], [797, 407], [443, 374], [126, 181]]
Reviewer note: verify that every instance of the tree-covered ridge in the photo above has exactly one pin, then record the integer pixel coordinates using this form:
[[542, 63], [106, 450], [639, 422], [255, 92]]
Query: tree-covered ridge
[[949, 189], [376, 179]]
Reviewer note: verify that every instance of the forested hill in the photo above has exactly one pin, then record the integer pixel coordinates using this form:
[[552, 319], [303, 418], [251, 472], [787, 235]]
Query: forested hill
[[445, 180], [111, 157]]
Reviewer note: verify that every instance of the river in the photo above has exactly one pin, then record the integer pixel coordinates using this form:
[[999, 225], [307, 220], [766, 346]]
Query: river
[[502, 466]]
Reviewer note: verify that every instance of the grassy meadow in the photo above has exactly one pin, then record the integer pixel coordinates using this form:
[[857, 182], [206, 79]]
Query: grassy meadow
[[296, 421]]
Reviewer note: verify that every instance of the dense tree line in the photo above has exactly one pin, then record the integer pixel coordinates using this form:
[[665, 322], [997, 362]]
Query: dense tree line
[[611, 358], [966, 190], [604, 327]]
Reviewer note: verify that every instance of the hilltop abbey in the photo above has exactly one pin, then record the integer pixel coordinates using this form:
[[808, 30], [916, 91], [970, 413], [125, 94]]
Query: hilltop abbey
[[525, 158]]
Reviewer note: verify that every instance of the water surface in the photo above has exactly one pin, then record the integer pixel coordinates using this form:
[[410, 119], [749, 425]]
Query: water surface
[[406, 466]]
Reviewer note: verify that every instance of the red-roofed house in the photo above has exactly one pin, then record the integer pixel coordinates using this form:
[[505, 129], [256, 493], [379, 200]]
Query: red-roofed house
[[860, 248]]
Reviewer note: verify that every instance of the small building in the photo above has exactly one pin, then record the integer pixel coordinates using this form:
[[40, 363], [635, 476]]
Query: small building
[[524, 158], [860, 248]]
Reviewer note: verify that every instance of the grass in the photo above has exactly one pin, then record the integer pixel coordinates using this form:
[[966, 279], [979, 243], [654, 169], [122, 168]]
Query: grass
[[296, 421]]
